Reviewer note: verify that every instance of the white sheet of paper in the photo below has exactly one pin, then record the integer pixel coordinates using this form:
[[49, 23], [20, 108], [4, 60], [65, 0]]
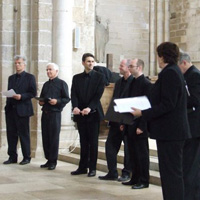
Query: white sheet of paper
[[116, 109], [9, 93], [124, 105]]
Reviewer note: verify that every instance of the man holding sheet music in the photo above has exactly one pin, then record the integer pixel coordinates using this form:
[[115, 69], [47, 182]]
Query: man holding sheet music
[[18, 110], [137, 133]]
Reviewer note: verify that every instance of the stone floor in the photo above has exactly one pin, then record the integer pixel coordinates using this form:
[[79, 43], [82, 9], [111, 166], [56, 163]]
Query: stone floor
[[29, 182]]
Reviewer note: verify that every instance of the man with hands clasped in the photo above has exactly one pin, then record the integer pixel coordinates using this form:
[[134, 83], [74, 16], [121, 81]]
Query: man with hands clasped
[[87, 89]]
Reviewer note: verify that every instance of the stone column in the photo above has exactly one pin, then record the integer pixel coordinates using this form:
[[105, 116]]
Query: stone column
[[62, 55], [160, 22], [152, 53], [167, 19]]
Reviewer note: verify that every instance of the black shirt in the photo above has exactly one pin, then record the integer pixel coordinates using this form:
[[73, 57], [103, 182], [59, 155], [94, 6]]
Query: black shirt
[[55, 89]]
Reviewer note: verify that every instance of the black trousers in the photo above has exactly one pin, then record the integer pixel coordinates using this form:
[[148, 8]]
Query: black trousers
[[139, 156], [89, 133], [113, 143], [51, 123], [17, 127], [191, 168], [170, 156]]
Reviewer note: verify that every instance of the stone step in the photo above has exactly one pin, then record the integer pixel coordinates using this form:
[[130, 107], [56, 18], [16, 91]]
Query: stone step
[[120, 157], [152, 146], [102, 166]]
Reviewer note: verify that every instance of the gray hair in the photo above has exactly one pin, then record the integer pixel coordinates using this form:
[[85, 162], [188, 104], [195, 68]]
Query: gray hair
[[184, 56], [54, 65], [17, 57], [128, 62]]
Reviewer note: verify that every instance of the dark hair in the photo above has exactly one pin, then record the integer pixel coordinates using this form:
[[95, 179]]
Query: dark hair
[[169, 51], [85, 55]]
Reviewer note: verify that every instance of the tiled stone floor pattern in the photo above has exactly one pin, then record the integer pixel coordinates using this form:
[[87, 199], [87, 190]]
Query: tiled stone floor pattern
[[29, 182]]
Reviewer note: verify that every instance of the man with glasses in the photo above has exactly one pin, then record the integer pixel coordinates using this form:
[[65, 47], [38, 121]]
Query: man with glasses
[[137, 133], [18, 110]]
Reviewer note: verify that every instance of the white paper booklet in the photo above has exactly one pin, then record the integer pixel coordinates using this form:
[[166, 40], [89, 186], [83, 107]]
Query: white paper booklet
[[9, 93], [124, 105]]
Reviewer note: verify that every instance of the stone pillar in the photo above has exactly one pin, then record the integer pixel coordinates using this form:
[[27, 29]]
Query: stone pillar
[[62, 55], [167, 19], [160, 21], [152, 53]]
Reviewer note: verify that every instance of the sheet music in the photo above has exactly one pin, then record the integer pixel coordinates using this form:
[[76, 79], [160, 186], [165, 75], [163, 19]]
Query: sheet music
[[124, 105], [9, 93]]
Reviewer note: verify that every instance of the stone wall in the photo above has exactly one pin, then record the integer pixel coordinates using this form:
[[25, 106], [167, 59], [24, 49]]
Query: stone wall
[[135, 29], [83, 18], [26, 27], [128, 23], [185, 27]]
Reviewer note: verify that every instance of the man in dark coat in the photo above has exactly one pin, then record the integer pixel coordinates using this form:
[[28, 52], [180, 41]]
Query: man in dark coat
[[18, 110], [87, 89], [167, 120], [191, 151], [54, 97], [116, 135], [137, 133]]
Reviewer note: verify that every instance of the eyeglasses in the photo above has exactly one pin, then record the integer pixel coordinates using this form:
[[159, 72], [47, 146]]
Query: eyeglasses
[[132, 66]]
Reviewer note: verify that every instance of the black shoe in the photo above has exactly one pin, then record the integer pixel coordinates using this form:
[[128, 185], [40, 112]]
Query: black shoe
[[78, 172], [131, 182], [123, 178], [108, 177], [92, 173], [140, 186], [46, 165], [24, 161], [9, 161], [51, 166]]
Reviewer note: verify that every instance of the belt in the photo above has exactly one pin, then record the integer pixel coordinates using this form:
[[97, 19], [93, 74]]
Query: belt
[[47, 112]]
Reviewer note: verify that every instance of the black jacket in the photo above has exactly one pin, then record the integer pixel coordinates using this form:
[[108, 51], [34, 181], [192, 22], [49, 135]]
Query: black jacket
[[92, 100], [27, 89], [139, 87], [192, 78], [168, 116]]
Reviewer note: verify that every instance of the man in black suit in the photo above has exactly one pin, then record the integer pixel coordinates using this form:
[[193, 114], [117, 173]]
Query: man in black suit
[[167, 120], [137, 133], [116, 135], [87, 89], [54, 97], [18, 110], [191, 151]]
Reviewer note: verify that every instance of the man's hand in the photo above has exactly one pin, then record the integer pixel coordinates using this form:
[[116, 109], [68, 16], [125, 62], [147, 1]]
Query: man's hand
[[41, 103], [85, 111], [139, 131], [136, 112], [121, 127], [17, 96], [53, 101], [76, 111]]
